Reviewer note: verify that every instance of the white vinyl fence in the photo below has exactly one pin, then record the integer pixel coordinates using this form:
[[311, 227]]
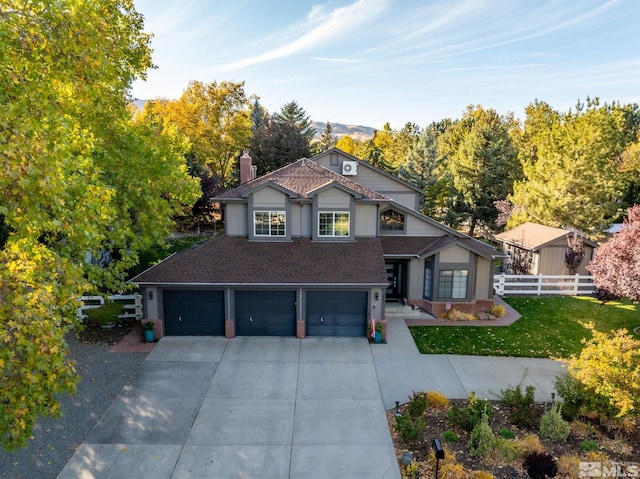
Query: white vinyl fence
[[132, 304], [517, 285]]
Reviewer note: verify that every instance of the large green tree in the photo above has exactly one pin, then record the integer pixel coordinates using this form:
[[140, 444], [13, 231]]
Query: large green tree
[[293, 114], [571, 165], [77, 176], [276, 144], [483, 163]]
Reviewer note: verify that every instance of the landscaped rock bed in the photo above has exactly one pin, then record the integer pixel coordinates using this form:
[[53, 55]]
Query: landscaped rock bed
[[589, 440]]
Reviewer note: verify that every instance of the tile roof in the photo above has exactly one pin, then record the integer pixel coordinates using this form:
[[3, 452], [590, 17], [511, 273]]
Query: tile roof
[[227, 260], [301, 178]]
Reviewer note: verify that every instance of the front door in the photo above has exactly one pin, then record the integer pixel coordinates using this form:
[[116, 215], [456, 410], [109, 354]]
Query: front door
[[396, 274]]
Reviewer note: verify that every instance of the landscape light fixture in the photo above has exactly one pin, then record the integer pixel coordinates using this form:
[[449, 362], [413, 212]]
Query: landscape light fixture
[[439, 451], [150, 294]]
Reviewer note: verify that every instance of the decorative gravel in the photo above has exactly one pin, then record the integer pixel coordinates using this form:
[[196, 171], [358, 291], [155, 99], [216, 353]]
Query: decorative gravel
[[54, 441]]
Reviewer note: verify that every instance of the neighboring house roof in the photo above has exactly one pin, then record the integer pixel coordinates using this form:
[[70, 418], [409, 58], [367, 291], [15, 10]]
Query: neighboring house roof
[[535, 236], [302, 179], [231, 260], [418, 246]]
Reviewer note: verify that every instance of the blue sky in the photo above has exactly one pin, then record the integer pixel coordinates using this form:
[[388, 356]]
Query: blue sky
[[368, 62]]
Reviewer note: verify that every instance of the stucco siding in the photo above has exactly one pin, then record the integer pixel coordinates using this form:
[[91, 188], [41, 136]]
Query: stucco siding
[[269, 198], [366, 220], [334, 198], [484, 286], [455, 254], [417, 227], [236, 219]]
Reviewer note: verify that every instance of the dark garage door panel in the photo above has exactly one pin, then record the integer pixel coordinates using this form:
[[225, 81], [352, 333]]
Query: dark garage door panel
[[337, 313], [193, 313], [265, 313]]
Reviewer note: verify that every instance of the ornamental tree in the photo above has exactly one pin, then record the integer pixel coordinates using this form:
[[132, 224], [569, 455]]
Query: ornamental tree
[[77, 176], [616, 265]]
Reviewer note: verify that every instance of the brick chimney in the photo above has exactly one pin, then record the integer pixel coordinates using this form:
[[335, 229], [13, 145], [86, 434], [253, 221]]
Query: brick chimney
[[247, 170]]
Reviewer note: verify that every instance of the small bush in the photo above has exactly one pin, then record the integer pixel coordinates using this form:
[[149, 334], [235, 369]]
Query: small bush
[[437, 400], [483, 475], [482, 441], [568, 465], [530, 443], [410, 430], [508, 450], [455, 315], [553, 426], [540, 465], [105, 314], [450, 436], [588, 445], [582, 430], [468, 417], [520, 405], [506, 434], [417, 405], [578, 400], [498, 311]]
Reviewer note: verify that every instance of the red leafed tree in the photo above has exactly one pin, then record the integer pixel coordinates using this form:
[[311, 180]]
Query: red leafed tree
[[616, 266]]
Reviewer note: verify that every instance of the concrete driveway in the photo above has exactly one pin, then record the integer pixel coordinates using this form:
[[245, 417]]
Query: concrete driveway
[[267, 407], [245, 408]]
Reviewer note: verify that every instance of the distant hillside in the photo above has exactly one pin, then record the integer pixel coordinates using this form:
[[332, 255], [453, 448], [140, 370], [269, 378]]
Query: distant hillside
[[357, 132]]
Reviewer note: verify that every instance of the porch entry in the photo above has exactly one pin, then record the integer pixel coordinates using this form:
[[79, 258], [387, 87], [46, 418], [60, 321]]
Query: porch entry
[[397, 277]]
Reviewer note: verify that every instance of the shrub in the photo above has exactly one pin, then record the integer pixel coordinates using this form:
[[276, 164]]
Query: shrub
[[568, 465], [105, 314], [520, 405], [588, 445], [553, 426], [468, 417], [483, 475], [578, 400], [498, 311], [450, 436], [437, 400], [417, 405], [456, 315], [482, 441], [540, 465], [582, 430], [506, 434], [410, 429], [507, 449], [530, 443]]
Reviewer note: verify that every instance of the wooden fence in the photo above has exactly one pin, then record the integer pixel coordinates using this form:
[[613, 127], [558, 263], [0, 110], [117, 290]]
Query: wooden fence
[[543, 284], [132, 304]]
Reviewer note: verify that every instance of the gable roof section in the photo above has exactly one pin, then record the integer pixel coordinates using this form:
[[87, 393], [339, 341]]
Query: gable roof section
[[301, 178], [367, 165], [418, 246], [230, 260], [535, 236]]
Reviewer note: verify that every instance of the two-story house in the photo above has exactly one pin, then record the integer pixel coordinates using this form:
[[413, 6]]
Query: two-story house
[[317, 248]]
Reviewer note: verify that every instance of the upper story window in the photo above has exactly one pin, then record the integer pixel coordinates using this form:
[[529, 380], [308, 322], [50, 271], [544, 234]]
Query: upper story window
[[333, 223], [269, 223], [391, 220]]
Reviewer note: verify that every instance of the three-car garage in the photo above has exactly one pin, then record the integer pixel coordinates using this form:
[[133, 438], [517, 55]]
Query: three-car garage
[[265, 312]]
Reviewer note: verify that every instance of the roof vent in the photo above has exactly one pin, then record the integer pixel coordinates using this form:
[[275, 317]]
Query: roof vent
[[349, 168]]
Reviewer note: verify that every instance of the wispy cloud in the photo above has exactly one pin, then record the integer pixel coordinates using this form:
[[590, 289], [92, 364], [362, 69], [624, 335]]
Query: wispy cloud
[[337, 60], [329, 27]]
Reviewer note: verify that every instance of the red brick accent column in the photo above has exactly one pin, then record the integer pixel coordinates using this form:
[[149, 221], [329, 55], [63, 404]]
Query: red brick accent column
[[229, 328], [301, 329]]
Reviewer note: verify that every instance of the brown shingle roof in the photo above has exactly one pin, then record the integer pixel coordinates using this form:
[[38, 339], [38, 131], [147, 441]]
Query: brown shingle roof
[[301, 178], [234, 260], [535, 236], [423, 245]]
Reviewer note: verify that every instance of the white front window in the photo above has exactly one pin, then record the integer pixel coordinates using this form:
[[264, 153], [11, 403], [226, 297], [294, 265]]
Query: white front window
[[269, 223], [333, 223]]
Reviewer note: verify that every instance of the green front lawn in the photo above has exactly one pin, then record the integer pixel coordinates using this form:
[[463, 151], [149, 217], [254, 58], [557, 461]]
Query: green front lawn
[[549, 327]]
